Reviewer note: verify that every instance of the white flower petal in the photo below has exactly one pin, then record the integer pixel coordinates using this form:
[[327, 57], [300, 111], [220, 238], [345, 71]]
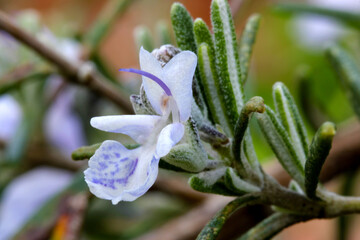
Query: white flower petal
[[154, 92], [119, 174], [168, 137], [178, 75], [138, 127], [71, 134]]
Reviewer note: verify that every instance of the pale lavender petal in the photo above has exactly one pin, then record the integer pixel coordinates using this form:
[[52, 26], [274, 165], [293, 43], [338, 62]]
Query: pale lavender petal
[[154, 92], [25, 195], [62, 126], [68, 48], [152, 173], [119, 174], [138, 127], [169, 136], [10, 116], [178, 75]]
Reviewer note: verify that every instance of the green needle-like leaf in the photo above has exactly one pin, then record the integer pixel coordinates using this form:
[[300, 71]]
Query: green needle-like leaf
[[319, 150], [349, 73], [203, 34], [102, 25], [211, 135], [206, 64], [227, 60], [212, 229], [182, 24], [185, 157], [351, 18], [85, 152], [238, 185], [255, 104], [248, 155], [281, 144], [163, 33], [272, 225], [211, 182], [247, 41], [7, 85], [293, 185], [143, 38], [291, 120]]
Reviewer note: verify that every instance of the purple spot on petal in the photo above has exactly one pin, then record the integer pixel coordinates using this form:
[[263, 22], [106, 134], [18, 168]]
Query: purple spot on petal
[[120, 170]]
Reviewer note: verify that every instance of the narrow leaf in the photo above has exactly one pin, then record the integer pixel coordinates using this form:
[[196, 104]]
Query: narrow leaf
[[293, 185], [247, 41], [183, 27], [203, 34], [227, 60], [211, 182], [248, 156], [17, 146], [238, 185], [143, 38], [8, 84], [102, 25], [185, 157], [291, 120], [351, 18], [349, 73], [85, 152], [272, 225], [281, 144], [319, 150], [206, 64], [211, 135], [163, 33], [212, 229], [255, 104]]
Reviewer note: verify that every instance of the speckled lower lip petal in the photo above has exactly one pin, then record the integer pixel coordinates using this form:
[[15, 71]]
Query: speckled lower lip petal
[[151, 76]]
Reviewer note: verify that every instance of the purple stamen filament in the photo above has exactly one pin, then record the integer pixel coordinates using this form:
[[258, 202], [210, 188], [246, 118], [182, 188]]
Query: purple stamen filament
[[151, 76]]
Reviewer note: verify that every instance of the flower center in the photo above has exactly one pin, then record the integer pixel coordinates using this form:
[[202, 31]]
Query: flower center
[[168, 103]]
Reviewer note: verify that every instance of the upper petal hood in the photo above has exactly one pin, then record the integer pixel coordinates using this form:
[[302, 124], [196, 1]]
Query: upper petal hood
[[178, 75], [154, 92]]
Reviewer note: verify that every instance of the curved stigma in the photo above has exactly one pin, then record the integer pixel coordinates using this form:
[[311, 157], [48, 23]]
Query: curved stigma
[[151, 76]]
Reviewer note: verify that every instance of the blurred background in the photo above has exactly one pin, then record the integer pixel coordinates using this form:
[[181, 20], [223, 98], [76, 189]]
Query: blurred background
[[44, 120]]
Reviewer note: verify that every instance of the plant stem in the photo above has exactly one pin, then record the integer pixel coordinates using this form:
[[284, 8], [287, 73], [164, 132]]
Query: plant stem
[[338, 205], [213, 228], [79, 73], [272, 225], [275, 194]]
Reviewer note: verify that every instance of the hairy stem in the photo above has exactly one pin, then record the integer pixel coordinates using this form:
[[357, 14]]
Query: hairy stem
[[213, 228], [272, 225], [80, 73]]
